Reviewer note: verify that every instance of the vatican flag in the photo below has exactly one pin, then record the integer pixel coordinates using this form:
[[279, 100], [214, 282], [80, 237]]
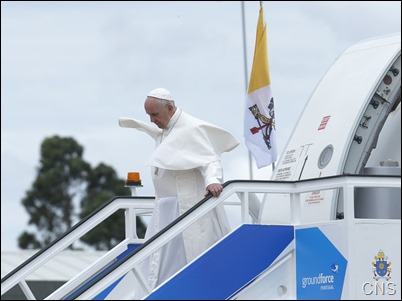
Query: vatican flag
[[259, 115]]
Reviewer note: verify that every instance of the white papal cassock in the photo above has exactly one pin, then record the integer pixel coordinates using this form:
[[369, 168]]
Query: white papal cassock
[[185, 161]]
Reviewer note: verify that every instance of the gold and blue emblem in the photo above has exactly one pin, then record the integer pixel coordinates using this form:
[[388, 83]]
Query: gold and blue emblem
[[381, 266]]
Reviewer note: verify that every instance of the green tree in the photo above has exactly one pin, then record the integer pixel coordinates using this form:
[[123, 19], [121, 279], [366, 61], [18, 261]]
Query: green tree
[[61, 177], [103, 184], [65, 189]]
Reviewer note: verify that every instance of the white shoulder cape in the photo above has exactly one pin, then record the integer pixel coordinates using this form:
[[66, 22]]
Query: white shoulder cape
[[190, 144]]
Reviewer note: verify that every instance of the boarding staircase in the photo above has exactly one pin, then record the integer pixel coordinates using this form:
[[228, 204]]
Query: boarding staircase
[[301, 259]]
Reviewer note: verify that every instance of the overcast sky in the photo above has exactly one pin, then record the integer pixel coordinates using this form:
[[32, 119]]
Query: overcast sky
[[73, 68]]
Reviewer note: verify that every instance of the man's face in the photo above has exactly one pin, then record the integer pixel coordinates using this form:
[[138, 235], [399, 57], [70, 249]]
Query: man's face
[[159, 111]]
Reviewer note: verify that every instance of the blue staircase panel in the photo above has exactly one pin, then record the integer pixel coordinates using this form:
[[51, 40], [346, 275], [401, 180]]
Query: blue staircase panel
[[230, 265]]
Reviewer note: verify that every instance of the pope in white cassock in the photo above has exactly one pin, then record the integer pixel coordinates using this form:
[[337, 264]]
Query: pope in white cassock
[[185, 167]]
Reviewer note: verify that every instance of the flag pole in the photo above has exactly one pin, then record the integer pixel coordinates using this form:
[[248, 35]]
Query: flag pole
[[243, 18], [273, 163]]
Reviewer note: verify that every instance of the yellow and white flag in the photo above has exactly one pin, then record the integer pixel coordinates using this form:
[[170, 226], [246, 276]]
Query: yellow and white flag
[[259, 115]]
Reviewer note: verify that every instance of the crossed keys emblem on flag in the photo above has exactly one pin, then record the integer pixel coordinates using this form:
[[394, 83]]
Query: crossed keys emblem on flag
[[265, 124]]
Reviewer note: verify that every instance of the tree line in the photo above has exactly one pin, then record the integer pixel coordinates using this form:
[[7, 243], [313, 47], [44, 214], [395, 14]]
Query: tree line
[[67, 189]]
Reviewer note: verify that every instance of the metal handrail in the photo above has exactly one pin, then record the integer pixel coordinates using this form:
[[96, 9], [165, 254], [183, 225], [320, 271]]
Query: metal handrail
[[241, 188]]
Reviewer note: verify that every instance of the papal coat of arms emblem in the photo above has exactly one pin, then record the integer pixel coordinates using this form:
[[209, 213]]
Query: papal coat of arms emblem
[[381, 267]]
